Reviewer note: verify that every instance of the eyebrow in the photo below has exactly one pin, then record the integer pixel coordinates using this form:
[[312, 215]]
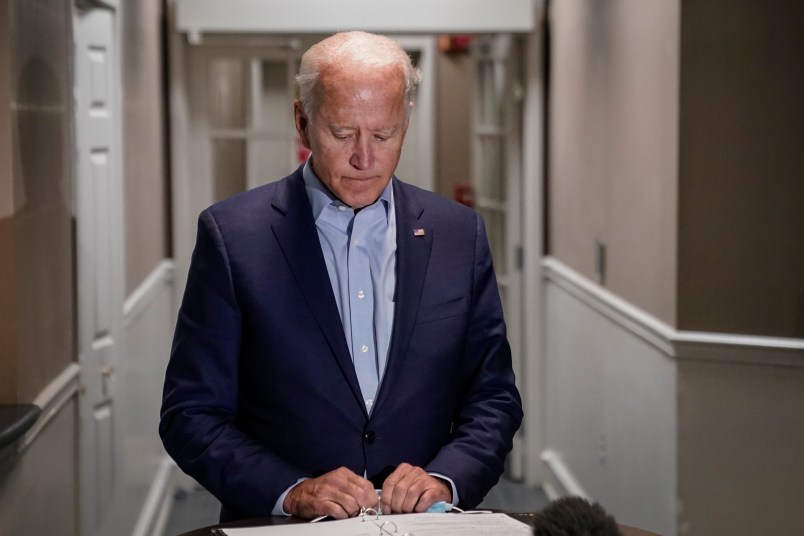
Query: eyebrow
[[340, 129]]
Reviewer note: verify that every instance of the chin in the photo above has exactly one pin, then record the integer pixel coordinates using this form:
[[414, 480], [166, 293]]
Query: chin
[[362, 198]]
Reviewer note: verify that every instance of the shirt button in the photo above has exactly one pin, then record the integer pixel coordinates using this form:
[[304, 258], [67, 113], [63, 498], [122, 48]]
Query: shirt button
[[369, 403], [342, 208], [355, 242], [364, 348], [361, 294]]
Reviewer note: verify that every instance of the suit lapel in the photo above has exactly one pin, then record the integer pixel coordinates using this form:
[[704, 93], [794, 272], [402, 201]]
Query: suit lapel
[[414, 238], [296, 232]]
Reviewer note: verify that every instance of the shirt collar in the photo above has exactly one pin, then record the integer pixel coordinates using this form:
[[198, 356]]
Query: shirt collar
[[320, 197]]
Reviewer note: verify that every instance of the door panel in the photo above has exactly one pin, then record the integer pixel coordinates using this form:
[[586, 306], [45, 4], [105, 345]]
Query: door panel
[[99, 266]]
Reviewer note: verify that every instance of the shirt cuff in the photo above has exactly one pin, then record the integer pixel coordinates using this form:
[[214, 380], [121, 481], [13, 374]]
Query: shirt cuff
[[278, 507], [455, 499]]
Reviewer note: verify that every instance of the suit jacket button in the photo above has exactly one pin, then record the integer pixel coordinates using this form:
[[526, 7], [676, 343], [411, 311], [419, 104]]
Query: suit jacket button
[[369, 437]]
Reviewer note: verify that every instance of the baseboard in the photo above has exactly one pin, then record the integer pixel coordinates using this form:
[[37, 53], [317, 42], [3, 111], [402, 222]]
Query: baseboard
[[156, 508], [551, 491], [563, 475]]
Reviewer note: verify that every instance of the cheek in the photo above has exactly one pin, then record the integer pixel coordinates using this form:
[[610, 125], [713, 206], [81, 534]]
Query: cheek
[[334, 153], [390, 155]]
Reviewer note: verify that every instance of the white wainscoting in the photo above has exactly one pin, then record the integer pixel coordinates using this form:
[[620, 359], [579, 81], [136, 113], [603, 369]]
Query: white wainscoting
[[41, 470], [634, 408], [149, 318], [610, 404]]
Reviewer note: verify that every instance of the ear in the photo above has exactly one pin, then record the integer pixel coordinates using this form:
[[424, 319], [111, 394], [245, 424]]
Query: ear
[[301, 123]]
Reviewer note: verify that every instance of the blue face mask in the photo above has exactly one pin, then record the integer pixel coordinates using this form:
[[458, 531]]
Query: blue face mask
[[439, 507]]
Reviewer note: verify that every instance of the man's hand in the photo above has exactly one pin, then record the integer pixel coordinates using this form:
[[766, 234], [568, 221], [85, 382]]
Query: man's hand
[[411, 489], [338, 494]]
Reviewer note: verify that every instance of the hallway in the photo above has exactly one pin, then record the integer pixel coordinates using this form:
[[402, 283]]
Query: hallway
[[638, 167]]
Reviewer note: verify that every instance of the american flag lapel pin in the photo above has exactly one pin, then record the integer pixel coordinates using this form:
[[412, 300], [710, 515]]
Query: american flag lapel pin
[[418, 232]]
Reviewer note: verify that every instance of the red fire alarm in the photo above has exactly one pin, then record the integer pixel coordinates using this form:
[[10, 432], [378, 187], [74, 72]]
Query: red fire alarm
[[464, 194], [454, 44]]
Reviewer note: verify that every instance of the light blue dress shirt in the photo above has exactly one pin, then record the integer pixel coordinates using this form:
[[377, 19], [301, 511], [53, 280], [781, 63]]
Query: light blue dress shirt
[[360, 252]]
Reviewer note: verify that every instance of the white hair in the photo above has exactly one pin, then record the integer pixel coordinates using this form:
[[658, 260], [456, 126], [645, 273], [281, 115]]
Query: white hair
[[354, 50]]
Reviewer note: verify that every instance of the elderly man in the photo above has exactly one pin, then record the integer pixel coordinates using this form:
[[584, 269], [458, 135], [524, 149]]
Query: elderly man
[[341, 331]]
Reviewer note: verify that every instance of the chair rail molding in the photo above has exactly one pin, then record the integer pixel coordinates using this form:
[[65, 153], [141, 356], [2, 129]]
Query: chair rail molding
[[143, 295], [52, 399], [675, 344]]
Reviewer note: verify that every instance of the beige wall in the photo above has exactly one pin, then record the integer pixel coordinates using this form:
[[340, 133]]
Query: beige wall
[[453, 109], [741, 228], [739, 442], [675, 138], [8, 321], [37, 237], [612, 145], [6, 199], [144, 142], [8, 369]]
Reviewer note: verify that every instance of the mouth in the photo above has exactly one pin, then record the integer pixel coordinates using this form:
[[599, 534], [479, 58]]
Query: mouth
[[362, 179]]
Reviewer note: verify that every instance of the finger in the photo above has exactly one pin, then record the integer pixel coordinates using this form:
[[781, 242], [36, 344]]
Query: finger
[[432, 495], [338, 494], [407, 484], [416, 491], [417, 484], [363, 493], [312, 498], [350, 491], [389, 487]]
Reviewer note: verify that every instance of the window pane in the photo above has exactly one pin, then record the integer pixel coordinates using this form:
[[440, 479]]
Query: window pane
[[492, 180], [226, 92], [490, 93], [228, 167], [271, 159], [273, 103], [495, 229]]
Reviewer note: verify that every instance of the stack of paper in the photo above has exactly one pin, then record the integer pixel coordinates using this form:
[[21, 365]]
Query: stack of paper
[[401, 525]]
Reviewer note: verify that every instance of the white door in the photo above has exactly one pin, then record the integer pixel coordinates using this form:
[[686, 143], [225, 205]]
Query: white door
[[497, 182], [99, 267]]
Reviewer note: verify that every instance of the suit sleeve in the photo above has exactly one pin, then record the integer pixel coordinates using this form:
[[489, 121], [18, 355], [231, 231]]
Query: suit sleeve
[[200, 400], [489, 411]]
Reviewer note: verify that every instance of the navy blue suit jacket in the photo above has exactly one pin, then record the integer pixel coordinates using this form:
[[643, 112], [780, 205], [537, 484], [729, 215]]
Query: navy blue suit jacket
[[260, 389]]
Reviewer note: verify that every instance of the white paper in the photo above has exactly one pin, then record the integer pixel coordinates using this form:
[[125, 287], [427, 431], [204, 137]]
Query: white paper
[[405, 524]]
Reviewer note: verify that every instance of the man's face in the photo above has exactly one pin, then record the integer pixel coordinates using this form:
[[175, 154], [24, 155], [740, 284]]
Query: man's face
[[356, 133]]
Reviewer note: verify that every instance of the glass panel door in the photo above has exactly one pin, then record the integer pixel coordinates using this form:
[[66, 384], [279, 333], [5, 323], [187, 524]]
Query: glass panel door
[[496, 180]]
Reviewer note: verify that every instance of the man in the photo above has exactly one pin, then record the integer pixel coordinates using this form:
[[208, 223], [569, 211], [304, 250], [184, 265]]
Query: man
[[341, 331]]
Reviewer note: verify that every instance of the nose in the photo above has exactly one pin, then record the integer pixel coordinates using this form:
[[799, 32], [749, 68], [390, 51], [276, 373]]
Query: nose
[[362, 153]]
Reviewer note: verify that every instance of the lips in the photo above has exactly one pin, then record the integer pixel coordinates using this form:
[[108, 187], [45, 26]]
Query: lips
[[361, 179]]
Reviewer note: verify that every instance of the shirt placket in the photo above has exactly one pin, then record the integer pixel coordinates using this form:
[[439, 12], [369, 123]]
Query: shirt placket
[[361, 309]]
